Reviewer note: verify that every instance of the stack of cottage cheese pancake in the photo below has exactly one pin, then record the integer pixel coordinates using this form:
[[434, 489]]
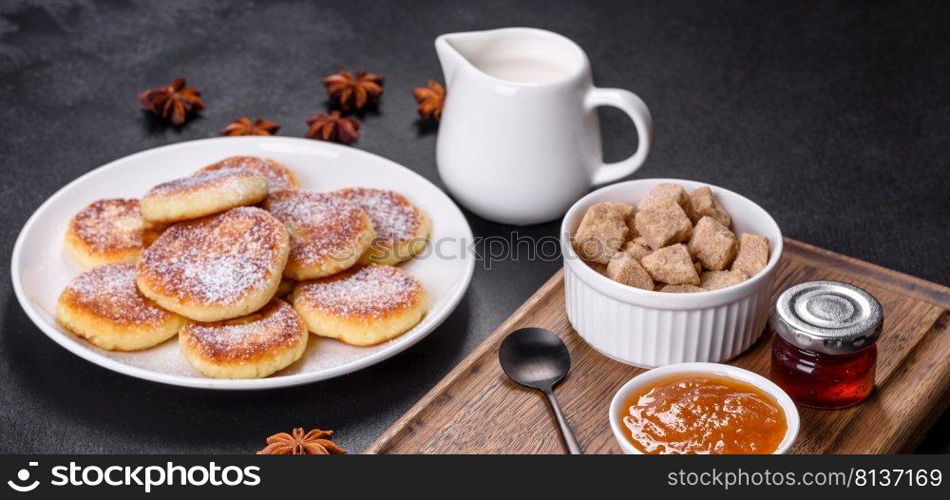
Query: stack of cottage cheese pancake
[[218, 258]]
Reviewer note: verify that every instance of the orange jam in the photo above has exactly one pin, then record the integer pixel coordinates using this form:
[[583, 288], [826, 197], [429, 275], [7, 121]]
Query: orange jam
[[704, 414]]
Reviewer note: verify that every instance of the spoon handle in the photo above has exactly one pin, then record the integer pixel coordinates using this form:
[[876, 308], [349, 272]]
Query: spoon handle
[[569, 439]]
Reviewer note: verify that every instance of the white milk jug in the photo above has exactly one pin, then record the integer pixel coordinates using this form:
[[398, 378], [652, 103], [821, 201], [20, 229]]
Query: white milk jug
[[519, 140]]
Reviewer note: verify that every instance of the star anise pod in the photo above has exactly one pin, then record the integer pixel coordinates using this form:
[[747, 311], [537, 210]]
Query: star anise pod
[[354, 92], [244, 126], [315, 442], [333, 127], [174, 102], [430, 100]]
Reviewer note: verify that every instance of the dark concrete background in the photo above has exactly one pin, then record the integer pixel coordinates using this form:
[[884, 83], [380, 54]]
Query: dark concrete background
[[835, 116]]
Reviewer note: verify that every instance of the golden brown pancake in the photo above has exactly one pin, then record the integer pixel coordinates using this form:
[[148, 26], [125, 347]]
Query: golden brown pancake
[[103, 306], [202, 194], [218, 267], [327, 233], [251, 346], [109, 231], [362, 306]]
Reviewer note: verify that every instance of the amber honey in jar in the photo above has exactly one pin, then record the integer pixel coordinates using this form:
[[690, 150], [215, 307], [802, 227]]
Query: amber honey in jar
[[824, 353]]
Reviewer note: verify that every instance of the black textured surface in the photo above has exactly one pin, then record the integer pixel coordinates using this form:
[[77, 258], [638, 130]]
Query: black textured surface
[[834, 117]]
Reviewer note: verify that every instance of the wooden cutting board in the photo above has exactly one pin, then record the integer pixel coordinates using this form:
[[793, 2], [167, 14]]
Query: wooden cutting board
[[476, 409]]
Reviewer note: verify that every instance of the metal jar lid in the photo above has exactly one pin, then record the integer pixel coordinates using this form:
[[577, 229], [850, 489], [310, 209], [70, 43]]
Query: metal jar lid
[[828, 317]]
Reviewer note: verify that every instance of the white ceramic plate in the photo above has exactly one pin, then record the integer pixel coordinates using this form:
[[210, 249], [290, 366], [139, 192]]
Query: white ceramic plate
[[40, 269]]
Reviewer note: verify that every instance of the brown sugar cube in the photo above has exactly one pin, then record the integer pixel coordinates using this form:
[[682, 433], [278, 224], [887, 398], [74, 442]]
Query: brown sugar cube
[[671, 265], [662, 193], [682, 289], [703, 203], [712, 244], [623, 268], [663, 224], [601, 233], [699, 266], [753, 254], [626, 210], [714, 280], [640, 240], [636, 250]]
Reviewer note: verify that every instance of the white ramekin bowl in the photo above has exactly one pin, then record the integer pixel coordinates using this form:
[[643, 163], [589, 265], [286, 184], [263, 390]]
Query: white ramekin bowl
[[646, 378], [648, 329]]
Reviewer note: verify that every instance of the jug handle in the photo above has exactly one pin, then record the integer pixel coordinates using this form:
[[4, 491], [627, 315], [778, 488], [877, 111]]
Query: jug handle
[[637, 110]]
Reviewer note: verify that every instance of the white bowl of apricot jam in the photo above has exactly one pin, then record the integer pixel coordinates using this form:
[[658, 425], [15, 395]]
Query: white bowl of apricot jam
[[703, 408]]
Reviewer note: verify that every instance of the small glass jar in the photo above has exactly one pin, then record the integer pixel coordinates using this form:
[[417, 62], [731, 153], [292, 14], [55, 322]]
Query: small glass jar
[[824, 353]]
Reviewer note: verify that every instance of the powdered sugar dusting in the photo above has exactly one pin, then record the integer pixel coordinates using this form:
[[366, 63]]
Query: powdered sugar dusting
[[276, 325], [219, 277], [216, 260], [278, 176], [109, 291], [225, 179], [321, 225], [394, 217], [367, 291]]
